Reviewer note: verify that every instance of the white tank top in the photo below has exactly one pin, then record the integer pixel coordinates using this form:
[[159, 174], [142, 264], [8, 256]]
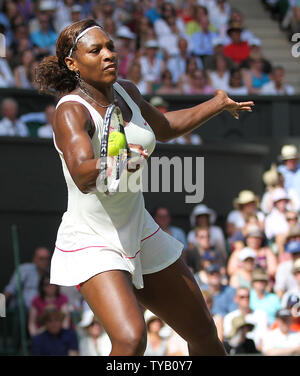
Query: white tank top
[[119, 221]]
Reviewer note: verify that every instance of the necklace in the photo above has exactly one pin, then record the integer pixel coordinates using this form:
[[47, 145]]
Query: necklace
[[99, 104]]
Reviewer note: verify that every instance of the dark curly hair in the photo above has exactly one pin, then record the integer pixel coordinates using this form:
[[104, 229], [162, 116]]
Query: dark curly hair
[[52, 75]]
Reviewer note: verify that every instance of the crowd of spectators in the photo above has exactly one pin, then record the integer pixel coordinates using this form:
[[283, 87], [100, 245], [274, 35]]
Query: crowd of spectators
[[164, 46], [248, 270], [287, 13]]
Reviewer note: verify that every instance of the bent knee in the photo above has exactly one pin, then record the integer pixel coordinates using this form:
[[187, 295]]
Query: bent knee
[[130, 342]]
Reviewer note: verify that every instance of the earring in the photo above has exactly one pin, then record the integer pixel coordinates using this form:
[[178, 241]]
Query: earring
[[77, 75]]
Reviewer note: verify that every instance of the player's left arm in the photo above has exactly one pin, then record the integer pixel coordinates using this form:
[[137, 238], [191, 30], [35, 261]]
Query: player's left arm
[[173, 124]]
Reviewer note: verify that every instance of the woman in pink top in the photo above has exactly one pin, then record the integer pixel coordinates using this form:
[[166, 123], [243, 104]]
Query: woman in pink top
[[49, 295]]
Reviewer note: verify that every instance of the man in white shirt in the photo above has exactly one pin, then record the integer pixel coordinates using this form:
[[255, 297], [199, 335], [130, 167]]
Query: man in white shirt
[[6, 75], [276, 222], [46, 131], [277, 85], [10, 125], [258, 317], [282, 341]]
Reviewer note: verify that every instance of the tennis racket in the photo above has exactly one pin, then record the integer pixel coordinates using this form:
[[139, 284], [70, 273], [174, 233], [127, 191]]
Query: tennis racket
[[111, 167]]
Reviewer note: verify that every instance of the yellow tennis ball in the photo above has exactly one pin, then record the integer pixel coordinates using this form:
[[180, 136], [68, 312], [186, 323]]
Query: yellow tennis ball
[[116, 142]]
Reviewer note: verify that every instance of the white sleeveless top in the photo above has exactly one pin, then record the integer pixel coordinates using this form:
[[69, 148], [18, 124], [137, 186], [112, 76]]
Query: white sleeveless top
[[118, 222]]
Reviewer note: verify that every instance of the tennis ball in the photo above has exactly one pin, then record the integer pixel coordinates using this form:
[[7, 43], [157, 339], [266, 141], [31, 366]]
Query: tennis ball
[[116, 142]]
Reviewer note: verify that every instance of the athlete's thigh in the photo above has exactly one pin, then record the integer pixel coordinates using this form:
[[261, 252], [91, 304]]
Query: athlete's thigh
[[174, 295], [111, 297]]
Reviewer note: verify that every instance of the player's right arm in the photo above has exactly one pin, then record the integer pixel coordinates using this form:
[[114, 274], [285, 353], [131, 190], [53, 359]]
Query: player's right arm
[[72, 127]]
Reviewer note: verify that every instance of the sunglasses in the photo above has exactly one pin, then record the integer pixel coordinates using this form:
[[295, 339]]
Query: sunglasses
[[292, 218], [243, 296]]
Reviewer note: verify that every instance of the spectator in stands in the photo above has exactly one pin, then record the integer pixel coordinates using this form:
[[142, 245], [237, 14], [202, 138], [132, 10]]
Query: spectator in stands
[[211, 61], [264, 257], [142, 31], [273, 180], [219, 78], [237, 341], [10, 125], [219, 15], [236, 84], [177, 64], [295, 19], [176, 345], [44, 39], [204, 216], [285, 279], [238, 50], [185, 80], [167, 86], [163, 218], [254, 77], [277, 85], [194, 24], [260, 298], [292, 219], [203, 247], [281, 341], [236, 17], [169, 28], [218, 319], [135, 75], [242, 276], [223, 296], [199, 84], [201, 42], [258, 318], [49, 296], [256, 53], [156, 343], [111, 29], [30, 274], [239, 237], [93, 340], [126, 50], [45, 131], [159, 103], [152, 65], [290, 168], [23, 73], [246, 203], [76, 13], [294, 292], [63, 14], [6, 75], [276, 222], [200, 264], [55, 340]]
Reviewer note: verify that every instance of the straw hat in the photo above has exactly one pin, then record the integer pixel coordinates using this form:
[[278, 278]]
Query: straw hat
[[271, 177], [245, 197], [202, 210], [289, 152], [237, 323], [259, 275]]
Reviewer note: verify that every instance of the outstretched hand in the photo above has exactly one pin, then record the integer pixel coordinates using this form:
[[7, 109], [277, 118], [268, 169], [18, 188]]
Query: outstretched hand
[[234, 107]]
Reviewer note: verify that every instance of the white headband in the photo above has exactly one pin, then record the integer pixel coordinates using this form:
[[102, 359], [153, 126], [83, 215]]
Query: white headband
[[80, 36]]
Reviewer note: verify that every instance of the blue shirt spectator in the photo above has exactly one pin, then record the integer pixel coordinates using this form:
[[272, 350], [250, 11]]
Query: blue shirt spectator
[[55, 340], [223, 296], [30, 274]]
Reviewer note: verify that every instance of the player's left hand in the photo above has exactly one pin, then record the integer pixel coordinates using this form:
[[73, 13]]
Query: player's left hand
[[234, 107]]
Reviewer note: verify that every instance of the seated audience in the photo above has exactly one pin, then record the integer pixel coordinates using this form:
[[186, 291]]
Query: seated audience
[[258, 318], [246, 203], [46, 131], [238, 50], [260, 298], [218, 319], [156, 342], [11, 125], [219, 78], [236, 85], [163, 218], [282, 340], [93, 340], [254, 77], [55, 340], [223, 295], [277, 85], [49, 296], [237, 341]]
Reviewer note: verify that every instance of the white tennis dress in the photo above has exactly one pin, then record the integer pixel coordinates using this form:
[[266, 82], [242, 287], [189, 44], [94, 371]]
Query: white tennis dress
[[100, 233]]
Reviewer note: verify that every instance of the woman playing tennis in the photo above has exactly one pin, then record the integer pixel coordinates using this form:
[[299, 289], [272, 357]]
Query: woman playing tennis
[[109, 245]]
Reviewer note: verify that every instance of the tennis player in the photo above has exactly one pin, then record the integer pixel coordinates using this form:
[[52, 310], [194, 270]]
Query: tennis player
[[109, 245]]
